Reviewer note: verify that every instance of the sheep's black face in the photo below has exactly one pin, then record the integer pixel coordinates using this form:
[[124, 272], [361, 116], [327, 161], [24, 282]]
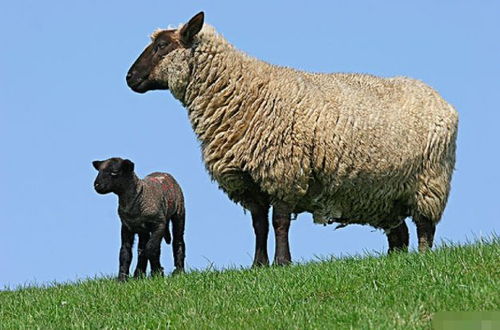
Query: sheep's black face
[[115, 175], [140, 77]]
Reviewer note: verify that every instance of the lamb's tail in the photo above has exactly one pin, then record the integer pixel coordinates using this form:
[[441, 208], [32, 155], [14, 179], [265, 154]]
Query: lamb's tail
[[167, 237]]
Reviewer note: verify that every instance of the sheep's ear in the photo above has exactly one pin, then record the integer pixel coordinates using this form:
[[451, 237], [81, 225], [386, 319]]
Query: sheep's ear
[[191, 28], [127, 166], [97, 164]]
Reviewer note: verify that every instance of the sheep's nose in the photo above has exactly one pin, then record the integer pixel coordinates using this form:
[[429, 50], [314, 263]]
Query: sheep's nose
[[130, 75]]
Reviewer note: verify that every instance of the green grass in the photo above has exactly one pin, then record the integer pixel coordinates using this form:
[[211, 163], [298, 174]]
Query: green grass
[[398, 291]]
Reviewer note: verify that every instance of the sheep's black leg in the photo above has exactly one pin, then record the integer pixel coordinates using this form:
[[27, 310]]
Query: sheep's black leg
[[142, 259], [178, 246], [425, 232], [260, 223], [125, 253], [281, 224], [153, 249], [398, 238]]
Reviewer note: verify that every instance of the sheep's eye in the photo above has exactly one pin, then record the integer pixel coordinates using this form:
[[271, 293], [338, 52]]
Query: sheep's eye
[[115, 174], [161, 45]]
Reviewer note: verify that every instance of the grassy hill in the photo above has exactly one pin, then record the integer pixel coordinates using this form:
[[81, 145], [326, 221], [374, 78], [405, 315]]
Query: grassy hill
[[398, 291]]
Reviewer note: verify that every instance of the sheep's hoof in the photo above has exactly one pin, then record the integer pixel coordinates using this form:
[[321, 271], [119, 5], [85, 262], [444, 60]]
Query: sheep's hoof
[[281, 262], [157, 273], [178, 271], [139, 275], [424, 249], [259, 264], [122, 277], [397, 250]]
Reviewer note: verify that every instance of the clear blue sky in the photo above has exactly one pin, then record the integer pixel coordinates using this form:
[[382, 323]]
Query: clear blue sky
[[64, 102]]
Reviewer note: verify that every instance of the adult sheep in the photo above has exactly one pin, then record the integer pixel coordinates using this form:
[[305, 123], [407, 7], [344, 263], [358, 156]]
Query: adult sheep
[[348, 148]]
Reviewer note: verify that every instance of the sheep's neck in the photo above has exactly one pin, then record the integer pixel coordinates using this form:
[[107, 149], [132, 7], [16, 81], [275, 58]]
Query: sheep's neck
[[218, 96]]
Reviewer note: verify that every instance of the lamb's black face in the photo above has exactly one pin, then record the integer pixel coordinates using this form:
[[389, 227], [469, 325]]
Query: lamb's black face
[[114, 175], [139, 77]]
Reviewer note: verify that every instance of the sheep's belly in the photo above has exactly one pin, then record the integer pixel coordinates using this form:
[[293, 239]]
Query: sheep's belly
[[331, 216], [378, 212]]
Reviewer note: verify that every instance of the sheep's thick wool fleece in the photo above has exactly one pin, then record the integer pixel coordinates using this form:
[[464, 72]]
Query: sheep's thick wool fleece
[[355, 147]]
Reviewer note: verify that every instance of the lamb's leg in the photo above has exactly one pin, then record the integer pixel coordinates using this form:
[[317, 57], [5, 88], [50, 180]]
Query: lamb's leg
[[398, 238], [125, 253], [153, 249], [178, 246], [281, 224], [142, 259], [260, 223], [425, 232]]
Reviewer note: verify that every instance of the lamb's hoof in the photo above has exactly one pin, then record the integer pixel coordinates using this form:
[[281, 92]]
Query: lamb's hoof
[[178, 271]]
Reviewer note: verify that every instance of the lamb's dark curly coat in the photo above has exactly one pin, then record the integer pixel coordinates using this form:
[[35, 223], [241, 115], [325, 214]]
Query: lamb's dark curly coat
[[146, 207]]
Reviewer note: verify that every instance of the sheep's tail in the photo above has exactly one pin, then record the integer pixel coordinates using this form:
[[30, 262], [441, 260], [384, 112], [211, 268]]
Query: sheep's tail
[[167, 236]]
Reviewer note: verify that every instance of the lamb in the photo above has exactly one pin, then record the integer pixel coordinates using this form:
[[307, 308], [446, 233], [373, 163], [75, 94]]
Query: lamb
[[348, 148], [146, 207]]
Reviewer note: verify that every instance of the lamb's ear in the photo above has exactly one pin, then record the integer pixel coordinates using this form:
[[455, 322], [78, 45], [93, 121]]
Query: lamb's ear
[[97, 164], [191, 28], [127, 166]]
